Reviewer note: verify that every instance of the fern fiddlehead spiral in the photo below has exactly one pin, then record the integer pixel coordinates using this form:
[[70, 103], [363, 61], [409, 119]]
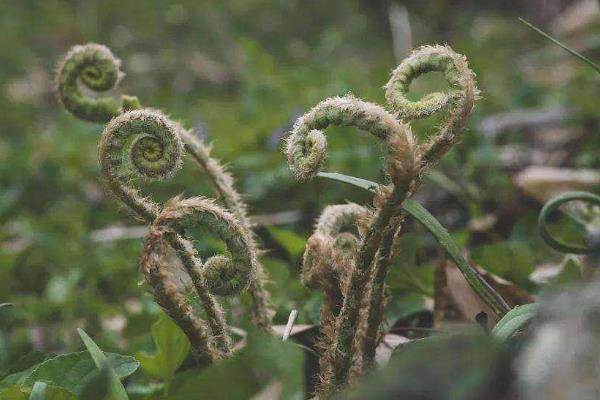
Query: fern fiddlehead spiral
[[457, 104], [306, 151], [363, 293], [139, 144], [146, 144], [592, 244], [95, 67], [328, 260], [219, 275]]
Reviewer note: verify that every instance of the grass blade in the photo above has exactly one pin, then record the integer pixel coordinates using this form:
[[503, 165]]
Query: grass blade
[[575, 53]]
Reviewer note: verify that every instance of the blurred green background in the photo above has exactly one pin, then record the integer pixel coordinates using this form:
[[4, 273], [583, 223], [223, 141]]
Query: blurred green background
[[240, 72]]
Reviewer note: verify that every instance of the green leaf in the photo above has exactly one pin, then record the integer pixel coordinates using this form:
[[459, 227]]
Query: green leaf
[[12, 393], [465, 366], [21, 368], [117, 391], [264, 360], [352, 180], [403, 306], [98, 387], [72, 371], [291, 242], [172, 347], [515, 320], [417, 211], [40, 391], [406, 276], [509, 260]]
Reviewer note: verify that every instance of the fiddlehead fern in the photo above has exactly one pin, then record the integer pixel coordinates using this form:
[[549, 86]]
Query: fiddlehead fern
[[458, 101], [328, 260], [157, 273], [592, 242], [306, 154], [141, 143], [145, 143], [95, 67], [262, 312], [224, 276], [330, 254], [219, 275], [306, 147], [363, 291]]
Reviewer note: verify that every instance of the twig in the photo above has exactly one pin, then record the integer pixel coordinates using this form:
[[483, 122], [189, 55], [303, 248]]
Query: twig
[[290, 325]]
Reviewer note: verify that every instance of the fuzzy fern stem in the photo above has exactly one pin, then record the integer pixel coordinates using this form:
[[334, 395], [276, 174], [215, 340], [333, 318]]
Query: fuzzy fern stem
[[357, 325], [95, 67]]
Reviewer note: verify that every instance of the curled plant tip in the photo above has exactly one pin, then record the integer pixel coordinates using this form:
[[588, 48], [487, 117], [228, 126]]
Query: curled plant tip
[[261, 309], [224, 276], [335, 218], [220, 275], [329, 259], [329, 246], [316, 273], [306, 147], [95, 67], [157, 273], [352, 329], [419, 62], [592, 244], [458, 100], [144, 144]]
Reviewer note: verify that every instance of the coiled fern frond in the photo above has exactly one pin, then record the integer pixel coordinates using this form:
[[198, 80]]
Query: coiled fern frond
[[144, 143], [356, 328], [95, 67]]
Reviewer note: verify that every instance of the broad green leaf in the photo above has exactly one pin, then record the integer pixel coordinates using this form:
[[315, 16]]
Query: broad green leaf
[[98, 387], [509, 260], [454, 366], [41, 391], [172, 347], [72, 371], [513, 321], [264, 360], [117, 391], [417, 211], [12, 393], [402, 306], [55, 393], [21, 368]]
